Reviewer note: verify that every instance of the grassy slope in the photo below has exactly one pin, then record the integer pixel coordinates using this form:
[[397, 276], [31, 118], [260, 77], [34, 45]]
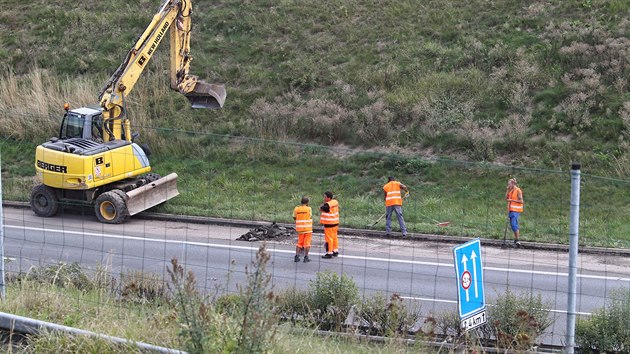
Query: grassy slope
[[503, 80]]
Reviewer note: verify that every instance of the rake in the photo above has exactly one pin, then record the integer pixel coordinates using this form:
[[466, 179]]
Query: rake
[[437, 223]]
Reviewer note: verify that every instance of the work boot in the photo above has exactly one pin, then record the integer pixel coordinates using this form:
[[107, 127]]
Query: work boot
[[327, 255], [296, 259], [306, 259], [335, 254]]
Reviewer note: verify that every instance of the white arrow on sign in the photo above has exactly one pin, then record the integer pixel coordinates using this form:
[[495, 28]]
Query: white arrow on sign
[[473, 257], [464, 261]]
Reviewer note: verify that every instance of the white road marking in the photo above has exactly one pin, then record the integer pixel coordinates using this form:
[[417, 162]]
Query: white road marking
[[376, 259], [428, 299]]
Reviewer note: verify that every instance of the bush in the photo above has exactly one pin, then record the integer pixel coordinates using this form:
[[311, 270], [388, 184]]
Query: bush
[[139, 287], [61, 274], [293, 305], [230, 304], [385, 318], [516, 321], [608, 329], [332, 298], [243, 323]]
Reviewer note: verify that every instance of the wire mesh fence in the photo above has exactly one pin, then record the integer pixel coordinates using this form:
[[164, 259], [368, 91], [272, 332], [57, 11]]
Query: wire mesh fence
[[228, 185]]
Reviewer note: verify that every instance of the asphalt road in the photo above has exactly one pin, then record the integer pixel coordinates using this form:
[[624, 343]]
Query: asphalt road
[[420, 271]]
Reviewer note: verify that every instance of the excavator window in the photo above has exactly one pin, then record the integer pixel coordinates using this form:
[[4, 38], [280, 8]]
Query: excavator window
[[97, 128], [72, 126]]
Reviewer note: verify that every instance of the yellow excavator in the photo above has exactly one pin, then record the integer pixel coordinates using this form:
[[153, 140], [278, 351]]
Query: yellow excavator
[[95, 160]]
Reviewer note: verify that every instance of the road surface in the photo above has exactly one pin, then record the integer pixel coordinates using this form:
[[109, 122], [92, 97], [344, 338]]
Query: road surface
[[422, 272]]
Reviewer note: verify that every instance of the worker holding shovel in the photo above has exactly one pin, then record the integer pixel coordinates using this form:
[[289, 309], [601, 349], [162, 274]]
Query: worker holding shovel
[[514, 197], [393, 204]]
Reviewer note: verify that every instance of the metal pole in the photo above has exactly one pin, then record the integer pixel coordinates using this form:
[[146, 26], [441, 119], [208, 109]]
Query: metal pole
[[574, 226], [2, 288]]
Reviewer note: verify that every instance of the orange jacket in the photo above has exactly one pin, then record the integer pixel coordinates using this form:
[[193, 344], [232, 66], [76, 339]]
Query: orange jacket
[[393, 196], [303, 219], [332, 216], [515, 206]]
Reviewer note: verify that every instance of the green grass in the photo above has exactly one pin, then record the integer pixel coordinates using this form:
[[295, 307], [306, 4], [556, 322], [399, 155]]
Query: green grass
[[383, 87], [423, 69], [256, 180]]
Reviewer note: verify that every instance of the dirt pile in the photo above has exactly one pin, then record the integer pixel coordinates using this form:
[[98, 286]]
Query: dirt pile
[[271, 232]]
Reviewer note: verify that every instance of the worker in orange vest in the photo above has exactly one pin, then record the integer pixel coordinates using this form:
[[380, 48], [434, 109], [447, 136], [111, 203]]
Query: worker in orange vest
[[514, 197], [330, 219], [393, 204], [302, 214]]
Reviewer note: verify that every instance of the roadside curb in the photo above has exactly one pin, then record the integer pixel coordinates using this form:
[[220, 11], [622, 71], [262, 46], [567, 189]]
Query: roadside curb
[[364, 233]]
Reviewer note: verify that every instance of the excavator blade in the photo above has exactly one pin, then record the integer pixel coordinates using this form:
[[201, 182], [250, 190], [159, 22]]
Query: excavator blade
[[152, 194], [206, 95]]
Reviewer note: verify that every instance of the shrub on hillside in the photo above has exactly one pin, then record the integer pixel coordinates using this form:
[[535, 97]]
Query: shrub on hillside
[[387, 318], [517, 320], [237, 324], [293, 305], [332, 298], [65, 275], [140, 287], [608, 329]]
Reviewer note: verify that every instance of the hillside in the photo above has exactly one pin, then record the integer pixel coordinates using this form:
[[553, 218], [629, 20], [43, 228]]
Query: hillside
[[529, 83]]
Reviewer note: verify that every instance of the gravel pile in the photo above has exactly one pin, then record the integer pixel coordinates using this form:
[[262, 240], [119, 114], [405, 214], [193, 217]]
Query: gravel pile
[[271, 232]]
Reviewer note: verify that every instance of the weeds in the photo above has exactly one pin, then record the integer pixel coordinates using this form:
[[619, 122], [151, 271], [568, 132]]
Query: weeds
[[332, 298], [607, 329], [387, 318], [517, 321], [258, 318], [245, 323]]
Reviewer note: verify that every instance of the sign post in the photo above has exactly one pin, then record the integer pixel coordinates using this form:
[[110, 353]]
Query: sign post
[[470, 292]]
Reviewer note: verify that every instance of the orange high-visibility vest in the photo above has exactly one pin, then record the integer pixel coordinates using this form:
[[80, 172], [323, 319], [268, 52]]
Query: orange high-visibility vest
[[303, 219], [515, 206], [393, 193], [332, 217]]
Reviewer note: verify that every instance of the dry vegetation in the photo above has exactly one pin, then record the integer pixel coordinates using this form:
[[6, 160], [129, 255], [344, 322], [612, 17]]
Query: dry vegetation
[[528, 82]]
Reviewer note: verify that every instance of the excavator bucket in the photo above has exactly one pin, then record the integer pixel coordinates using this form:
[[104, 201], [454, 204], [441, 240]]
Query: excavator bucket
[[152, 194], [206, 95]]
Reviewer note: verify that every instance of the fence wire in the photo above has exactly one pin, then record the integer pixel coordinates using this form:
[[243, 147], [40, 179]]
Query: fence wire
[[260, 181]]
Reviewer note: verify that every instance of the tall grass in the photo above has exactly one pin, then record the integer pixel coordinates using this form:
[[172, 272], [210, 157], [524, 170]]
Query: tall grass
[[508, 81], [512, 82]]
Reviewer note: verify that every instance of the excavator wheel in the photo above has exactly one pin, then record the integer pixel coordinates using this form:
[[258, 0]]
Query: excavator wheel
[[111, 207], [44, 202], [123, 195]]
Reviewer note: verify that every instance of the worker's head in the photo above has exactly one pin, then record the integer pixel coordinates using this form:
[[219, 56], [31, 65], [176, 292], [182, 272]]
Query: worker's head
[[328, 195], [512, 183], [305, 200], [391, 178]]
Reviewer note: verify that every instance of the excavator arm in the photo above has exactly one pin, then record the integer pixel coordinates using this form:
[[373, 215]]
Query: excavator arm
[[174, 17]]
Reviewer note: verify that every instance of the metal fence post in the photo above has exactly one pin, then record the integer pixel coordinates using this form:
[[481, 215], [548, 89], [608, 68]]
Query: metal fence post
[[2, 289], [573, 255]]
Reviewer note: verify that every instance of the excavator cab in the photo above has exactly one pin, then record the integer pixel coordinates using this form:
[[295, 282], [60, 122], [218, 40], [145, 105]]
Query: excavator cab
[[85, 123]]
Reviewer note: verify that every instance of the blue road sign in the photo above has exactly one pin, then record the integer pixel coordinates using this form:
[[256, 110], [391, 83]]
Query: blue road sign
[[469, 278]]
